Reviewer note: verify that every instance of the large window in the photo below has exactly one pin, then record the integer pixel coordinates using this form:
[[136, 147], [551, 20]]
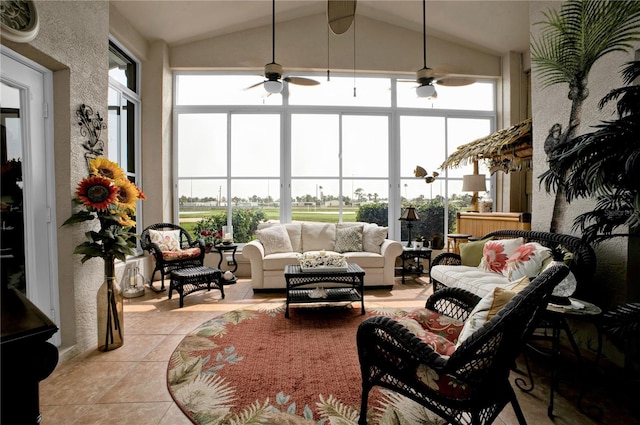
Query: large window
[[319, 153], [124, 116]]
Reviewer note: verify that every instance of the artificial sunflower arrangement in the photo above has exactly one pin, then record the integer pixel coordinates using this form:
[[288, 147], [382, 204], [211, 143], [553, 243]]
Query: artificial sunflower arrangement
[[108, 196]]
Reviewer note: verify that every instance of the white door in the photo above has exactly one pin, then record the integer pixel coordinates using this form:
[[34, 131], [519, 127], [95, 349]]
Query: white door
[[27, 226]]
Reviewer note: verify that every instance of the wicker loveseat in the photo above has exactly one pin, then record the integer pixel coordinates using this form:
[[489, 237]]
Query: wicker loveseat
[[447, 269]]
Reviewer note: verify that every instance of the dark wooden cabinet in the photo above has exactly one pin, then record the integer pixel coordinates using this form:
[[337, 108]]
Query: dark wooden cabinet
[[26, 358]]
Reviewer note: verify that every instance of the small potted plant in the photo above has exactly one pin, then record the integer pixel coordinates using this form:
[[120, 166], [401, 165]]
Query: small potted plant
[[419, 243]]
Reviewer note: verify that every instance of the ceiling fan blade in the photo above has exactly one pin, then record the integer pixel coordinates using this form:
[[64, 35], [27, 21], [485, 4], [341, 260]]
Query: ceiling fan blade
[[255, 85], [455, 81], [301, 81]]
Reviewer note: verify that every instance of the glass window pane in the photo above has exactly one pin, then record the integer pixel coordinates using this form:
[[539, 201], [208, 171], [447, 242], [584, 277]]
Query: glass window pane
[[343, 91], [202, 146], [315, 200], [223, 90], [461, 131], [473, 97], [255, 145], [253, 201], [365, 146], [371, 195], [122, 68], [314, 145], [422, 143]]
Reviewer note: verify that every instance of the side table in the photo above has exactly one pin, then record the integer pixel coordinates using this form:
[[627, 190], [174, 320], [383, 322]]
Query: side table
[[555, 319], [453, 241], [222, 248], [414, 254]]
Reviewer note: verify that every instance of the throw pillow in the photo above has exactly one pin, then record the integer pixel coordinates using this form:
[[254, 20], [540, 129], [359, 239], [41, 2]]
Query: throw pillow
[[274, 239], [373, 236], [495, 254], [489, 306], [349, 239], [318, 236], [471, 252], [527, 260], [167, 240]]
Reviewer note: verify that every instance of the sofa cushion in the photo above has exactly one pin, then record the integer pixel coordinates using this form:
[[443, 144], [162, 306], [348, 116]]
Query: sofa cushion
[[365, 259], [349, 239], [293, 229], [472, 279], [471, 252], [279, 260], [274, 239], [526, 261], [495, 254], [489, 306], [318, 236], [373, 236]]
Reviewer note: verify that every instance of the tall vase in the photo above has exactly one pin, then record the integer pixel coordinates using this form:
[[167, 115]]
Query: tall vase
[[110, 310]]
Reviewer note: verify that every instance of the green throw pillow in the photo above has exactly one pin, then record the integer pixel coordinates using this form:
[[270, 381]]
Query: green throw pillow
[[471, 252]]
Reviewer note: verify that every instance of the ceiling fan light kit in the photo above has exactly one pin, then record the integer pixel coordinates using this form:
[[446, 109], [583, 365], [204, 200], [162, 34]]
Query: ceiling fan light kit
[[273, 86], [425, 75]]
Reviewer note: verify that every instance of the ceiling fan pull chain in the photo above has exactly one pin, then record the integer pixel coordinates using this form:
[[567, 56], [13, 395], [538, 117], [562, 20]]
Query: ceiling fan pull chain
[[354, 56], [328, 48]]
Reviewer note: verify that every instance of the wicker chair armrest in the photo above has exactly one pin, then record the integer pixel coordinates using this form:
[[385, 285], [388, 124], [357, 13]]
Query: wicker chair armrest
[[382, 340], [198, 243], [453, 302], [446, 259]]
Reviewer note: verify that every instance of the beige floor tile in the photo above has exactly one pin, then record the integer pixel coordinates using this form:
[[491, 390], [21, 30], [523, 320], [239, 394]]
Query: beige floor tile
[[145, 382], [174, 416]]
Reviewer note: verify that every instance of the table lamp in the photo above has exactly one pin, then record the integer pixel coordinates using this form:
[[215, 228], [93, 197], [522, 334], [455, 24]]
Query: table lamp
[[474, 183], [409, 215]]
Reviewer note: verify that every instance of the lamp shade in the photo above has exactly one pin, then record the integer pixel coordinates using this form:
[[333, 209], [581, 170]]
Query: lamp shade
[[474, 183], [409, 214]]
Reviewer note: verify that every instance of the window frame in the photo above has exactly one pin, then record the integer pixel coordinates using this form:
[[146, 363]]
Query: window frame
[[286, 111], [125, 93]]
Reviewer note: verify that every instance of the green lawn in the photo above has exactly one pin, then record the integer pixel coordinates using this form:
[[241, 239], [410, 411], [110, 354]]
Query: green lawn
[[323, 215]]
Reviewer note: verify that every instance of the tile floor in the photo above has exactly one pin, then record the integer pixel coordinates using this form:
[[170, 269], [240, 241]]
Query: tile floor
[[128, 385]]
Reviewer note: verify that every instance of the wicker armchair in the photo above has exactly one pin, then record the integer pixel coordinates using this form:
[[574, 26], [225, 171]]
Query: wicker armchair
[[190, 254], [474, 380]]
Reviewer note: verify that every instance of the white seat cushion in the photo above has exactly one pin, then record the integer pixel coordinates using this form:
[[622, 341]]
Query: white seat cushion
[[472, 279]]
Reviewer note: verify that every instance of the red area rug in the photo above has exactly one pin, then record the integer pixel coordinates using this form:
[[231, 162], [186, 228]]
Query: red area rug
[[254, 366]]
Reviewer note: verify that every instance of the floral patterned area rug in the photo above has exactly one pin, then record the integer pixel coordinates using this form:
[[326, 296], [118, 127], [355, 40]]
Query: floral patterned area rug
[[254, 366]]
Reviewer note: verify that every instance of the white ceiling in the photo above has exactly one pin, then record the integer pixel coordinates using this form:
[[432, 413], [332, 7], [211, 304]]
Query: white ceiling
[[495, 27]]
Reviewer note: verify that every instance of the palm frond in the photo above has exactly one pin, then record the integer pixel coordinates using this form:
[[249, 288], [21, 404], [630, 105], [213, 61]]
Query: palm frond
[[622, 324]]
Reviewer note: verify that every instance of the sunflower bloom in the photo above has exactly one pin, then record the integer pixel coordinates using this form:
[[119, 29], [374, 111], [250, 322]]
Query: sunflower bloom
[[124, 219], [108, 169], [96, 192], [127, 194]]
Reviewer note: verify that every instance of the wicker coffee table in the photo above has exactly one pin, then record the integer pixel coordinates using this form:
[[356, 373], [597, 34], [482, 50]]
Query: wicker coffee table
[[299, 290]]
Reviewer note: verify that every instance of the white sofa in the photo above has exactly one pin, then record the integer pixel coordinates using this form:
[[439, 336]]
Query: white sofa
[[271, 252]]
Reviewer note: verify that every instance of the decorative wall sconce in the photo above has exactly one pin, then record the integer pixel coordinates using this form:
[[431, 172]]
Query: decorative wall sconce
[[91, 127]]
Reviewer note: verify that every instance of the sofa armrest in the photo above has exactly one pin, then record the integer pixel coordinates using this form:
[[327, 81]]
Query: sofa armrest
[[390, 250], [254, 252]]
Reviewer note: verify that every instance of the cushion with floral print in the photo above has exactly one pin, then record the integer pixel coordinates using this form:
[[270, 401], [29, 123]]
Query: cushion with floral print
[[444, 384], [167, 240], [527, 260], [495, 254], [184, 254], [436, 330], [489, 306]]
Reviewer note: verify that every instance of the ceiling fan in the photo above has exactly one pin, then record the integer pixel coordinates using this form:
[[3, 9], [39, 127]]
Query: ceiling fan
[[426, 77], [273, 71]]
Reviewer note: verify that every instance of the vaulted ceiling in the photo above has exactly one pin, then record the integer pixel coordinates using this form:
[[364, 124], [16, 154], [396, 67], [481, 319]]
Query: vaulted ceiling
[[496, 27]]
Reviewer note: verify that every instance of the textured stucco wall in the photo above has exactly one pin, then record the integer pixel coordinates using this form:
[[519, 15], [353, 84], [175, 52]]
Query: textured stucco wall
[[551, 105], [72, 42]]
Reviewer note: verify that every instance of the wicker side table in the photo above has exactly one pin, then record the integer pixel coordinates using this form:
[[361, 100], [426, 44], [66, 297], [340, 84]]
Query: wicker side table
[[186, 281]]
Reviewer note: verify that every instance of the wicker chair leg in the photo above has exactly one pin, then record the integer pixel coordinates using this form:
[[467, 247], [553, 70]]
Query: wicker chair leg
[[363, 403]]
